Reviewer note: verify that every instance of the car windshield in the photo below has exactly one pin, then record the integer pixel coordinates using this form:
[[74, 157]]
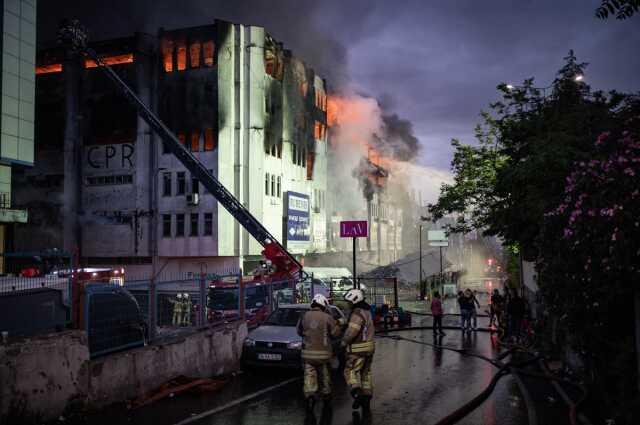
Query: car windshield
[[285, 317]]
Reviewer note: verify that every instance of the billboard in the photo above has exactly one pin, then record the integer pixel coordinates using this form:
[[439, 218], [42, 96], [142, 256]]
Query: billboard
[[297, 215]]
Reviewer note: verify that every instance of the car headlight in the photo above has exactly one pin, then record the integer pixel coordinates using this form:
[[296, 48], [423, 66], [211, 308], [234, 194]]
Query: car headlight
[[295, 345], [248, 342]]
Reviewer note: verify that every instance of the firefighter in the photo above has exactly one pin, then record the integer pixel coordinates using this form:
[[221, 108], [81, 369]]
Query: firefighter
[[316, 327], [186, 310], [177, 310], [358, 339]]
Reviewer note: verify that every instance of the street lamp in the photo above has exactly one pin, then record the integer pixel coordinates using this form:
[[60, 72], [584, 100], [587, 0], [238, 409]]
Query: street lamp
[[422, 288], [578, 78]]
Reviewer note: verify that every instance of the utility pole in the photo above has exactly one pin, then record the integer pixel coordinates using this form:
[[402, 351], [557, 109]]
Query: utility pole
[[420, 261]]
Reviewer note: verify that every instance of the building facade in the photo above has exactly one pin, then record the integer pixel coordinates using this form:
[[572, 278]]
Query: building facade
[[106, 187], [17, 109]]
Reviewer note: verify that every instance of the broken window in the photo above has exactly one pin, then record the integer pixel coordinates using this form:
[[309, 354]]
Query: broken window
[[208, 52], [310, 160], [208, 224], [181, 56], [179, 225], [303, 158], [279, 186], [273, 185], [193, 230], [167, 55], [195, 185], [182, 138], [166, 184], [194, 54], [294, 155], [166, 225], [317, 130], [209, 139], [266, 184], [195, 141], [181, 183], [279, 150]]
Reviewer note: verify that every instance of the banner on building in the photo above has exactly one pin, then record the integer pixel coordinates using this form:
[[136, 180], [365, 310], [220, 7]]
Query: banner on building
[[297, 215]]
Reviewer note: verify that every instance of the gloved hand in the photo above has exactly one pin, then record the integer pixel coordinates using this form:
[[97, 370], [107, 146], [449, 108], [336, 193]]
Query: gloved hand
[[342, 321]]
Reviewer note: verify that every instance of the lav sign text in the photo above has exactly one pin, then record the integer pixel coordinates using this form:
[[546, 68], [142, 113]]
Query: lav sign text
[[354, 229]]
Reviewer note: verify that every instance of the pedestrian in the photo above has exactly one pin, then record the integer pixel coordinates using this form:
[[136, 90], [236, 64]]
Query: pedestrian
[[516, 309], [436, 311], [317, 327], [466, 307], [358, 339], [474, 312], [460, 303], [496, 308]]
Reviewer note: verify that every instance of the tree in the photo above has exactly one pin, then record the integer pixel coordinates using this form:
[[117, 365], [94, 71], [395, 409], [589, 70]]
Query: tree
[[622, 9], [526, 146]]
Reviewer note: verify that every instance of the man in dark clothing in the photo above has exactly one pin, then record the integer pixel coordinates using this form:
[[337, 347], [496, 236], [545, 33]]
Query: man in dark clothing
[[496, 308], [516, 309]]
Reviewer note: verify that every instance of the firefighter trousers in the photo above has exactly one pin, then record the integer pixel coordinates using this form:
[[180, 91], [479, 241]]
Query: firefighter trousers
[[316, 375], [357, 373]]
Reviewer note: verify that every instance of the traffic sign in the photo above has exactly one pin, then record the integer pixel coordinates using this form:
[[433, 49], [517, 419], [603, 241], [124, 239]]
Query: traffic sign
[[354, 229], [438, 243]]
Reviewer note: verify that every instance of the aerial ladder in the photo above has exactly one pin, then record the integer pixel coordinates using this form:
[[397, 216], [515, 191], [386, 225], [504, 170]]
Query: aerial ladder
[[284, 265]]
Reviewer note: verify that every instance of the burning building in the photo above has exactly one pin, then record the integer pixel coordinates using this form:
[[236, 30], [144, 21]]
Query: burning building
[[245, 106]]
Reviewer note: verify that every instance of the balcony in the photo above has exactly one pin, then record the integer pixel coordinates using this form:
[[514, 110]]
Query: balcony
[[9, 215]]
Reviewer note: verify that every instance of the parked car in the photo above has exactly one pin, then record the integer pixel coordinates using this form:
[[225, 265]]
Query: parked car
[[276, 341]]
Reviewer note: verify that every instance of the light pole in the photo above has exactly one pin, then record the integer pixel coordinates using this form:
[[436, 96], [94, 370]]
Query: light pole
[[422, 288]]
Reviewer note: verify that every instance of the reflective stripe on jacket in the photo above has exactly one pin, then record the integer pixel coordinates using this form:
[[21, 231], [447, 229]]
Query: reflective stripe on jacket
[[360, 332], [316, 328]]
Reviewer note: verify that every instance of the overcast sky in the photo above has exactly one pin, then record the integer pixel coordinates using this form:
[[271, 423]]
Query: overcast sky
[[434, 63]]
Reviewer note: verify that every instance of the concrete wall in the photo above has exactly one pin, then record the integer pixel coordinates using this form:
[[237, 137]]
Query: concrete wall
[[54, 372]]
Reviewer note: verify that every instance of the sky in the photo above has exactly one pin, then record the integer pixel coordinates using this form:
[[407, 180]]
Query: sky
[[434, 63]]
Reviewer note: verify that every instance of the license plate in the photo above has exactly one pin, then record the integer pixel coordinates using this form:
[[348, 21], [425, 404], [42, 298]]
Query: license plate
[[269, 356]]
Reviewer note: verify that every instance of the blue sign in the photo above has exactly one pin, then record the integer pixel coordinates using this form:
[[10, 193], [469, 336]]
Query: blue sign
[[298, 227]]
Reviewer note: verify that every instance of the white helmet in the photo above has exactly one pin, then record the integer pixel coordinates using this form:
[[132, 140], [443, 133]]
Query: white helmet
[[179, 296], [354, 296], [321, 300], [186, 296]]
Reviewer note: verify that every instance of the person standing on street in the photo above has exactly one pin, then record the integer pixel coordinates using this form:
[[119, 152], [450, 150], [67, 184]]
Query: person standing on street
[[474, 312], [317, 327], [496, 308], [358, 339], [466, 309], [460, 304], [436, 311], [516, 310]]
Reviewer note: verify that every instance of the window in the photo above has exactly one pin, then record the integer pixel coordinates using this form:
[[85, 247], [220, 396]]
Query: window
[[165, 148], [279, 186], [166, 225], [182, 138], [195, 141], [266, 184], [303, 158], [179, 225], [209, 139], [194, 54], [194, 225], [208, 51], [279, 150], [317, 130], [167, 55], [181, 184], [195, 185], [181, 56], [273, 185], [208, 224], [166, 184], [295, 154]]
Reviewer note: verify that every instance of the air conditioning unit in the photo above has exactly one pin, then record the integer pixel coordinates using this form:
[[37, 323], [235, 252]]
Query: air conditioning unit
[[193, 199]]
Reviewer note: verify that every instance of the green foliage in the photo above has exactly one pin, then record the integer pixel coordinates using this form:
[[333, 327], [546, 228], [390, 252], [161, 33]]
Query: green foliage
[[526, 146], [622, 9]]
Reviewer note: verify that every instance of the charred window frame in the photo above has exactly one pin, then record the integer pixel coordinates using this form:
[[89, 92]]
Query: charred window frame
[[179, 225], [181, 55], [166, 225], [195, 54], [208, 224], [167, 55], [181, 183], [195, 141], [294, 153], [193, 228], [209, 140], [273, 185], [279, 187], [166, 184], [266, 184]]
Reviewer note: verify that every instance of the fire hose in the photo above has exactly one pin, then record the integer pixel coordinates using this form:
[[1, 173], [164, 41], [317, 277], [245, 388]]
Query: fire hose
[[504, 369]]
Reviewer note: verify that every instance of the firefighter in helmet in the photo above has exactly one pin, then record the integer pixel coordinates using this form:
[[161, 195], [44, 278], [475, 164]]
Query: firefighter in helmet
[[177, 310], [317, 327], [358, 339], [186, 310]]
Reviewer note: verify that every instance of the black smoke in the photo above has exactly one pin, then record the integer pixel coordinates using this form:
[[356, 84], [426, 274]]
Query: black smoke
[[397, 139]]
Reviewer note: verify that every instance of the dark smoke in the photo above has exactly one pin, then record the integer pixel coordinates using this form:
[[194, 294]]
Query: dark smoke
[[397, 139], [371, 178], [297, 24]]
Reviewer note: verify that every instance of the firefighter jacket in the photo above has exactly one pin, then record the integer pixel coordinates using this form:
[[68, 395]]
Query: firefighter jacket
[[177, 305], [360, 332], [316, 329]]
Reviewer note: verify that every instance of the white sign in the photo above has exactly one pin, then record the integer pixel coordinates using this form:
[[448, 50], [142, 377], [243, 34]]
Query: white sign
[[437, 235], [438, 243]]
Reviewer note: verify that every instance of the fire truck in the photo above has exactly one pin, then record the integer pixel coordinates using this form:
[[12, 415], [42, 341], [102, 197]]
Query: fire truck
[[282, 266]]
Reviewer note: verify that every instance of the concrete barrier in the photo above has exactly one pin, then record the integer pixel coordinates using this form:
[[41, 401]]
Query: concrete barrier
[[41, 377]]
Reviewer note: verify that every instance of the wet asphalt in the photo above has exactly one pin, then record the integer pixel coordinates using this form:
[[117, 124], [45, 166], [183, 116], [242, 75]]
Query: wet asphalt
[[413, 384]]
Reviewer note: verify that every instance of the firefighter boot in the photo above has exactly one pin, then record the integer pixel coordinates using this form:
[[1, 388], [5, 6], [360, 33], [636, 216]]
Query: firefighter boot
[[356, 393], [310, 404], [365, 403], [326, 417]]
